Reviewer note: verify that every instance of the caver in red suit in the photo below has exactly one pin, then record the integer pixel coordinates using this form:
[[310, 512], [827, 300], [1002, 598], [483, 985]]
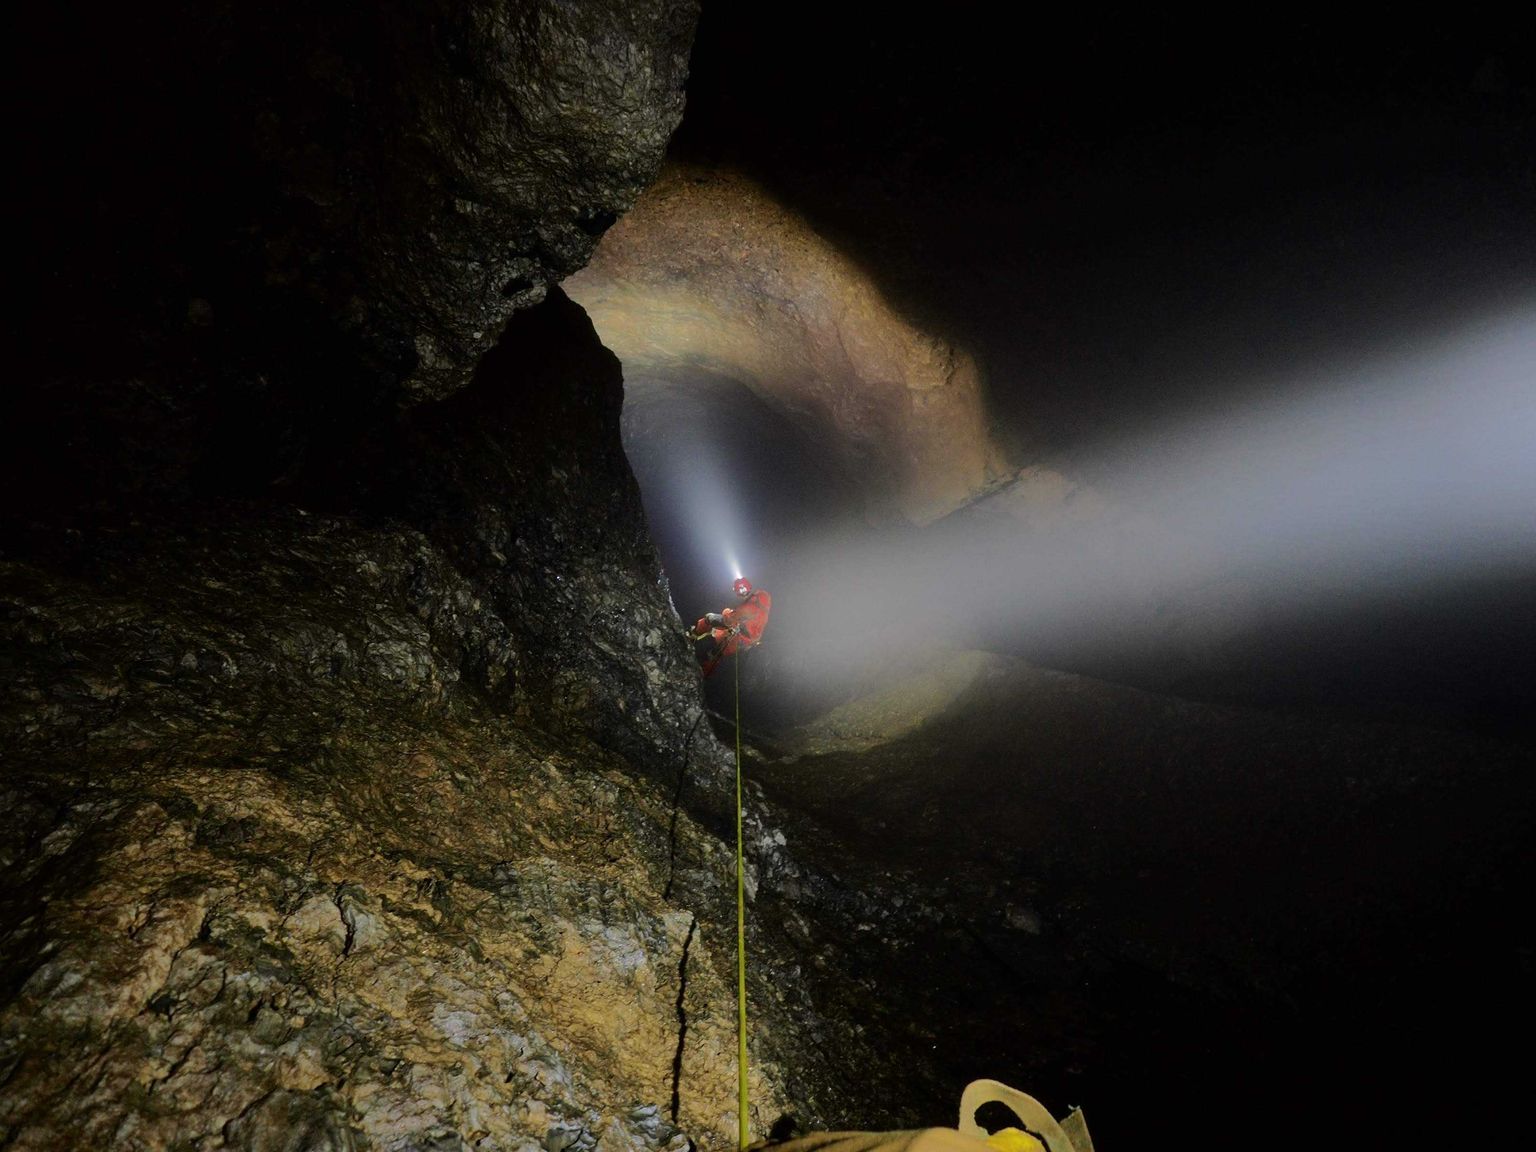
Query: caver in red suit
[[735, 629]]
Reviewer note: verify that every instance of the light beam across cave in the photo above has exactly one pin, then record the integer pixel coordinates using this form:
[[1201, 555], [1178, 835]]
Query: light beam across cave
[[1413, 469]]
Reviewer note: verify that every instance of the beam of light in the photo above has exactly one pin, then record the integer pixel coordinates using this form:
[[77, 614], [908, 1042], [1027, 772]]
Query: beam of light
[[674, 438], [1411, 469], [704, 499]]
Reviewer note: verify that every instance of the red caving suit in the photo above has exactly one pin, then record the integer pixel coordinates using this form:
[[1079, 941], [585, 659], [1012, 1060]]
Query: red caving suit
[[744, 626]]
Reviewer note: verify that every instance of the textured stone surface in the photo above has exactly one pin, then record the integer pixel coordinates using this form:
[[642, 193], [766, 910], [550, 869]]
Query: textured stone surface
[[354, 763], [275, 872], [520, 479], [495, 144], [390, 822], [253, 225], [708, 276], [426, 937]]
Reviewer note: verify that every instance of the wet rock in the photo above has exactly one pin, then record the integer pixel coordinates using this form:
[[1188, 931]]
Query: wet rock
[[340, 825], [355, 788], [381, 960], [390, 823]]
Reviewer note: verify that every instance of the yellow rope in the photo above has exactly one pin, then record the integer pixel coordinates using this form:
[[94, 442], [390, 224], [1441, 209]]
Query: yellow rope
[[741, 935]]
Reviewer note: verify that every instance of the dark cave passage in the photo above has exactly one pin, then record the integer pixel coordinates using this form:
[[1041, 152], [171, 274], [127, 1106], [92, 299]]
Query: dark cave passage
[[1217, 907], [1352, 543]]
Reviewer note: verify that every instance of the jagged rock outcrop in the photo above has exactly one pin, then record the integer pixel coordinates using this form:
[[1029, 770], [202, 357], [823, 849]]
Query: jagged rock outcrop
[[250, 227], [353, 925], [708, 277], [520, 479], [335, 829]]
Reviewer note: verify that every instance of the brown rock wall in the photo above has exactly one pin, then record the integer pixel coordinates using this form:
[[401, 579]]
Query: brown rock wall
[[708, 275]]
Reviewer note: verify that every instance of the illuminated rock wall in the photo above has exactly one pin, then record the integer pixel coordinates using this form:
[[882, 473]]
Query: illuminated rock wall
[[708, 275]]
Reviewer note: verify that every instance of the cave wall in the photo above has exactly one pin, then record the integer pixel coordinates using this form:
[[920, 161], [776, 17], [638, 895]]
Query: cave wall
[[521, 480], [358, 788], [387, 827], [276, 874], [248, 230]]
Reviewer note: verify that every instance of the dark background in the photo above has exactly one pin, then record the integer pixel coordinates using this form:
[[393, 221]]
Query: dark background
[[1131, 216]]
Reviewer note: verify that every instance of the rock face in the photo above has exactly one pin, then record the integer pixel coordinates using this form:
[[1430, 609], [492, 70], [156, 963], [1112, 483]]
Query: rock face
[[250, 226], [357, 790], [421, 944], [708, 277], [345, 830], [580, 589]]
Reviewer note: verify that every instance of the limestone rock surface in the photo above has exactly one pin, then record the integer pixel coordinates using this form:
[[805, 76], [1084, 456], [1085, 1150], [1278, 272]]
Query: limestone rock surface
[[382, 825], [709, 276], [421, 934]]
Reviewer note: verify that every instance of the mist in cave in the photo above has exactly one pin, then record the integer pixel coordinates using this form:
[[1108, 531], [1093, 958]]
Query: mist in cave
[[1384, 482]]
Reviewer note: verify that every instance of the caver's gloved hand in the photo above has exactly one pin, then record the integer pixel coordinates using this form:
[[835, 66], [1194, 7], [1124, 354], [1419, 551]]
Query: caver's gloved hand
[[707, 622]]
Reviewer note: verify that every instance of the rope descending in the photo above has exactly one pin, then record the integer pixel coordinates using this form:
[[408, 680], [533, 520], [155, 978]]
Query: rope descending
[[741, 937]]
